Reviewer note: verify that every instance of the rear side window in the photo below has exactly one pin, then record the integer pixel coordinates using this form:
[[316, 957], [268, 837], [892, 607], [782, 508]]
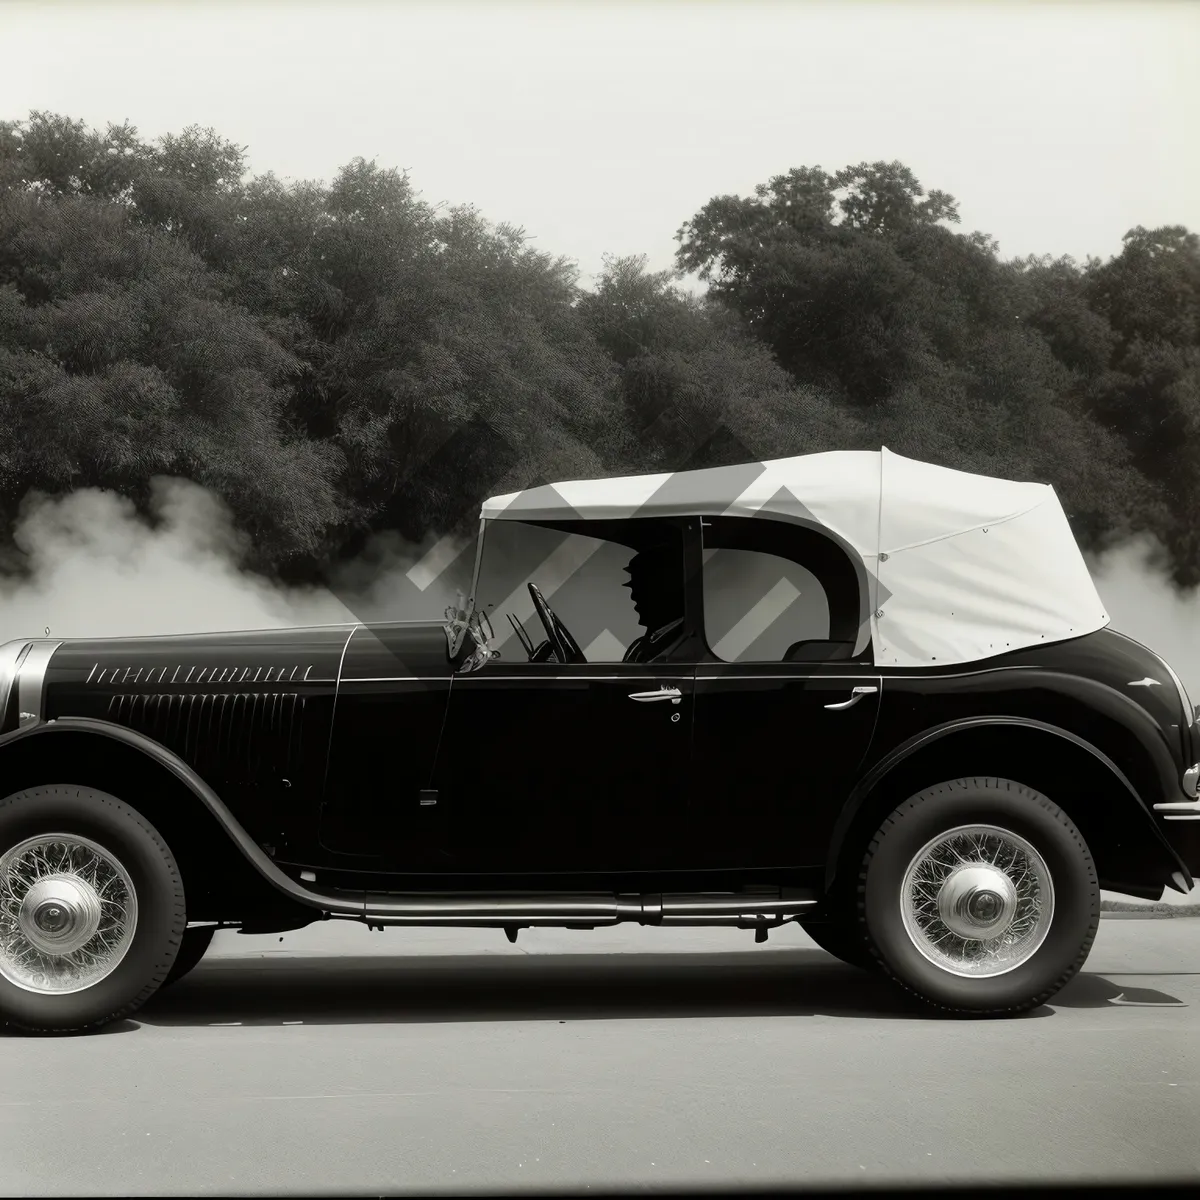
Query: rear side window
[[757, 605]]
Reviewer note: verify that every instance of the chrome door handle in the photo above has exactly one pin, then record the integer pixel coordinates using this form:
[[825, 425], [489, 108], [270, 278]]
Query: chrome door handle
[[856, 696], [665, 693]]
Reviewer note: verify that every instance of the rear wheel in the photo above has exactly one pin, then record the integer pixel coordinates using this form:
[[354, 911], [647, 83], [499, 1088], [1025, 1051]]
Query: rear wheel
[[980, 896], [92, 909]]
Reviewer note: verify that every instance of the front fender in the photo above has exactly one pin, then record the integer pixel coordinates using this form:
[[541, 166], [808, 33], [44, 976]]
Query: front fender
[[324, 901]]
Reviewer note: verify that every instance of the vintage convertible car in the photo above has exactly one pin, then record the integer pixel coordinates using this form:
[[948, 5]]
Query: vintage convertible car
[[852, 690]]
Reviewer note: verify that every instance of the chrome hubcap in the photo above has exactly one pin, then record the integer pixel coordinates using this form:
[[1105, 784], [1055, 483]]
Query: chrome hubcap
[[977, 901], [68, 912]]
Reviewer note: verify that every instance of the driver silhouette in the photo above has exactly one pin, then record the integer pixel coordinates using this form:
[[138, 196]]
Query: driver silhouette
[[656, 588]]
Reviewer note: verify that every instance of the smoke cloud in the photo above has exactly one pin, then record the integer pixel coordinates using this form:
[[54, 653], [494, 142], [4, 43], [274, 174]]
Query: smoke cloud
[[95, 568], [1143, 604]]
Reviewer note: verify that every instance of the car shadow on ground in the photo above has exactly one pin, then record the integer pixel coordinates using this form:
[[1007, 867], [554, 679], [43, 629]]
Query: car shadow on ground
[[347, 990], [1094, 991]]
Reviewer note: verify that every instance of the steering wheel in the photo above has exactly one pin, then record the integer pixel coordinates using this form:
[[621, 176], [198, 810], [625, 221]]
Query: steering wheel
[[566, 648]]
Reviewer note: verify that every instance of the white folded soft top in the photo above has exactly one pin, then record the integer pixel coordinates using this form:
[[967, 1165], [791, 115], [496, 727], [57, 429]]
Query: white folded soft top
[[961, 567]]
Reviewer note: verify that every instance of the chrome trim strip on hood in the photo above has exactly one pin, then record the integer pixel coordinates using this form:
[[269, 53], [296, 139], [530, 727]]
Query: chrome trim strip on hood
[[31, 682], [12, 654]]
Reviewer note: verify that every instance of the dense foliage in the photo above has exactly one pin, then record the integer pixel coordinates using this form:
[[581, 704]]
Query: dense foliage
[[335, 359]]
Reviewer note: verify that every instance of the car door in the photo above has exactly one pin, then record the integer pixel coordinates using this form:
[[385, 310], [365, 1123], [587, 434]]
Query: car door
[[775, 748], [785, 699], [559, 769], [392, 691]]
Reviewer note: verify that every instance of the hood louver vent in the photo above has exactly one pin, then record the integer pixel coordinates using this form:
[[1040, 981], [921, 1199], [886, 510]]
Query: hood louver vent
[[195, 676], [244, 737]]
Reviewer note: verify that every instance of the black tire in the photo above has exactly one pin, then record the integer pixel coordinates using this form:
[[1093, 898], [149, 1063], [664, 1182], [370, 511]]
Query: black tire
[[123, 836], [1014, 809], [844, 938], [192, 949]]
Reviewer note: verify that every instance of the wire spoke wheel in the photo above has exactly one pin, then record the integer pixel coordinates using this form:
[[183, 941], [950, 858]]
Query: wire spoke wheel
[[977, 901], [68, 914]]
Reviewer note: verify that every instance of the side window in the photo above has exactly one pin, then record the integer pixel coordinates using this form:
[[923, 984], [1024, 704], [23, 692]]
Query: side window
[[758, 605], [583, 578]]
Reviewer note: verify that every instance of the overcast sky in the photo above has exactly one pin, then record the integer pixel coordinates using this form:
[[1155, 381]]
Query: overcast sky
[[601, 127]]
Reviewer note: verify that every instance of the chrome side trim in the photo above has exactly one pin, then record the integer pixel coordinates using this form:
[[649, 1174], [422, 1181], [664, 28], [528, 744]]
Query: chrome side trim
[[591, 908], [1185, 807], [668, 671], [342, 659], [31, 682], [12, 654]]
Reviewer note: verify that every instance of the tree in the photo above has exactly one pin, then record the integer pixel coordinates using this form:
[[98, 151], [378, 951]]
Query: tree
[[121, 359], [858, 284], [688, 369]]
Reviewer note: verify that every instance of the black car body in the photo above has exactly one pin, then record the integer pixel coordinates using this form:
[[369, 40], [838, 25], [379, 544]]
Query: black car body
[[411, 773]]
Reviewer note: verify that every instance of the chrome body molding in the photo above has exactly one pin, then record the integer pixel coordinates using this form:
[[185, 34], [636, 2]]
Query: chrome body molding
[[12, 655], [1179, 810], [495, 910], [30, 669]]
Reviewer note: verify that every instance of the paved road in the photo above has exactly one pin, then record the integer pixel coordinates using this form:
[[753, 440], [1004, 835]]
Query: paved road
[[610, 1058]]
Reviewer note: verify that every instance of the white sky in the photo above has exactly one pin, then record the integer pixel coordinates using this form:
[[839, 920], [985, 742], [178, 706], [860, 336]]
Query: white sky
[[602, 127]]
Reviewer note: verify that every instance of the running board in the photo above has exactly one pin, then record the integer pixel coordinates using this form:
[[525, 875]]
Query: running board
[[500, 909]]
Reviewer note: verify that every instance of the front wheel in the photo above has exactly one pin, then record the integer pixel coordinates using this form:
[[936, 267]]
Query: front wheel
[[980, 896], [91, 909]]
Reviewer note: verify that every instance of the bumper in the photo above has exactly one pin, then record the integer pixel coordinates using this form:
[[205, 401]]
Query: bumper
[[1184, 810], [1184, 831]]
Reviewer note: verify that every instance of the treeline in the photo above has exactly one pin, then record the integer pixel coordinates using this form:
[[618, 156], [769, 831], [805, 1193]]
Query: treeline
[[336, 359]]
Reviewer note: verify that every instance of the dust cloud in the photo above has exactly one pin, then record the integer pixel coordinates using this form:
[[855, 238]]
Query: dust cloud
[[94, 567]]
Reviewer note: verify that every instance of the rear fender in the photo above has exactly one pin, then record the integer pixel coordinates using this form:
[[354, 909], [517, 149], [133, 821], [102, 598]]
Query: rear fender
[[1035, 753]]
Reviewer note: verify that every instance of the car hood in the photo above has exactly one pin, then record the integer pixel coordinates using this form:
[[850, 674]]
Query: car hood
[[32, 668]]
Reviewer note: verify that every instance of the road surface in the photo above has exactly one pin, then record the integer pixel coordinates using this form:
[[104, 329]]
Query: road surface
[[341, 1060]]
